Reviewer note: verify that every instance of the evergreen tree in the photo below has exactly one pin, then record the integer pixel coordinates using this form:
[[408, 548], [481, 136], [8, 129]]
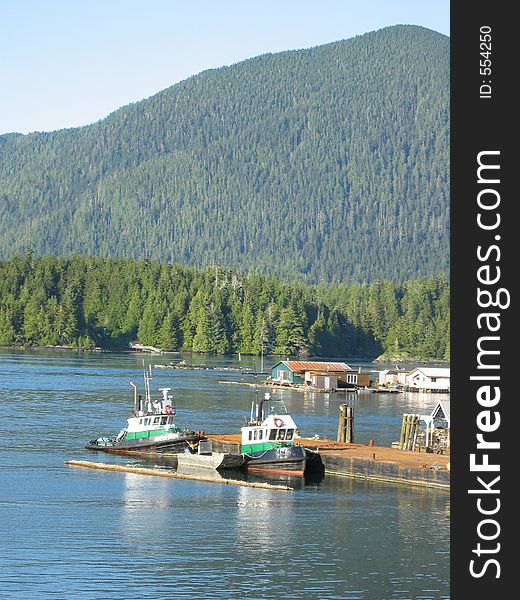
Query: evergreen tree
[[168, 334], [51, 301]]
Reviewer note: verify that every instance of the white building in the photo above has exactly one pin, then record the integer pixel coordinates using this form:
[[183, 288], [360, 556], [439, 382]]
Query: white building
[[429, 379], [393, 377], [438, 426]]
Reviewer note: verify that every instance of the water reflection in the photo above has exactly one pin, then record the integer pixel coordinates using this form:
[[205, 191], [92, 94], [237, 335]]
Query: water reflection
[[264, 519], [144, 504], [74, 533]]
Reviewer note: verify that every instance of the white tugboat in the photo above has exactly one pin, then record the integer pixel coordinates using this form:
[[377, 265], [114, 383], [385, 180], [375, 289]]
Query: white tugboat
[[152, 427], [268, 443]]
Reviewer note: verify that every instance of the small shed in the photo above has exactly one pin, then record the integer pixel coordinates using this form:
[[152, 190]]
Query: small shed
[[354, 378], [438, 427], [393, 377], [294, 371], [322, 380], [427, 433]]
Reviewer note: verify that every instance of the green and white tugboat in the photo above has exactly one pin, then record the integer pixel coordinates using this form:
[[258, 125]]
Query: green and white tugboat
[[268, 442], [151, 428]]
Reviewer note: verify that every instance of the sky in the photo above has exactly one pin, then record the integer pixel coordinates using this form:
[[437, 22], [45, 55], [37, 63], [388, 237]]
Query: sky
[[68, 63]]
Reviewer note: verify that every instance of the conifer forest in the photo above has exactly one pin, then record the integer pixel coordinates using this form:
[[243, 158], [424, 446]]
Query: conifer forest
[[294, 204], [107, 303]]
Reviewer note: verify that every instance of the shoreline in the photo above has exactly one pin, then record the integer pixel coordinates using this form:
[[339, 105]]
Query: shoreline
[[98, 350]]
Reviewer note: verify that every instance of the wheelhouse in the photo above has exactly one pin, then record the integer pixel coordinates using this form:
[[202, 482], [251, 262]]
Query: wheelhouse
[[262, 434], [150, 418]]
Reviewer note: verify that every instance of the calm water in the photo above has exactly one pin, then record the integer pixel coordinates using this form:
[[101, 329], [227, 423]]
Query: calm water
[[76, 533]]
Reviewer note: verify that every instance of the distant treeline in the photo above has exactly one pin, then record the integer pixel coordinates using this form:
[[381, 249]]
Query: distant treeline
[[94, 302]]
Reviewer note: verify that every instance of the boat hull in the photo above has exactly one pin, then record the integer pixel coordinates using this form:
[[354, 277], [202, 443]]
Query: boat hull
[[285, 460], [147, 445], [314, 463], [215, 460]]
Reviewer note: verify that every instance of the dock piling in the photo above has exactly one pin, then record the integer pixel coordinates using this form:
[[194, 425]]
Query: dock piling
[[409, 432], [346, 424]]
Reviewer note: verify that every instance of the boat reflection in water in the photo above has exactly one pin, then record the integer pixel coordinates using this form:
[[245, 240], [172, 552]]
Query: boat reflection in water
[[265, 519]]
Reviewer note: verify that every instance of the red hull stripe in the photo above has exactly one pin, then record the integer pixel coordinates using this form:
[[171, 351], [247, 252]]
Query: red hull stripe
[[299, 473]]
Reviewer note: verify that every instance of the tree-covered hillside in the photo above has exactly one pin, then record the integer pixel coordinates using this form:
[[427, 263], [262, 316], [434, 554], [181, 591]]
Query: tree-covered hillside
[[326, 164], [88, 302]]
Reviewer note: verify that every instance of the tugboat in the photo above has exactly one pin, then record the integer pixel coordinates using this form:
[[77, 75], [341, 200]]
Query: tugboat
[[151, 428], [268, 443]]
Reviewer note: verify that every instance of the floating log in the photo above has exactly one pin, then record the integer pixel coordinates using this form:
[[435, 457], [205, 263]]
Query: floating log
[[159, 473]]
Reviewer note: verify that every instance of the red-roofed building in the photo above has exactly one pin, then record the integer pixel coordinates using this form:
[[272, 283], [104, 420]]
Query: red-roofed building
[[293, 371]]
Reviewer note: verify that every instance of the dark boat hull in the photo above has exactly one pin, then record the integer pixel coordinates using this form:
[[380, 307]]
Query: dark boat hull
[[147, 445], [314, 463], [290, 460]]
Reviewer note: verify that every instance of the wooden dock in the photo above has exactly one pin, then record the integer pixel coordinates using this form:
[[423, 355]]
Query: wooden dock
[[298, 387], [375, 463]]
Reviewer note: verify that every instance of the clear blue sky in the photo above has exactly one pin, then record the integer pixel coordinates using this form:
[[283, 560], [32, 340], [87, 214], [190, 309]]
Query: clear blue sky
[[66, 63]]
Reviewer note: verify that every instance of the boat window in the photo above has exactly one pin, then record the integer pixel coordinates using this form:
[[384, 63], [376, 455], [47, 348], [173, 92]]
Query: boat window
[[272, 434], [140, 421], [250, 435], [156, 420], [289, 435], [170, 420], [260, 434], [147, 421], [281, 434], [163, 420], [255, 434]]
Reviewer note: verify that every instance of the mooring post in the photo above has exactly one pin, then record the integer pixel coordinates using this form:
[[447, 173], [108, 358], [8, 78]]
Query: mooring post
[[415, 432], [407, 432], [412, 432], [403, 431], [341, 422], [349, 435], [346, 424]]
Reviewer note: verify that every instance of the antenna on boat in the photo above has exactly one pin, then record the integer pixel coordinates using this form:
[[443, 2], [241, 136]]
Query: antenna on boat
[[267, 398], [258, 416], [147, 378]]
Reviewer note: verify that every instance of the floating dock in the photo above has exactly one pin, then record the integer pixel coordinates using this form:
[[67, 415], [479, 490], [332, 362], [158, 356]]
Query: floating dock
[[375, 463], [299, 387]]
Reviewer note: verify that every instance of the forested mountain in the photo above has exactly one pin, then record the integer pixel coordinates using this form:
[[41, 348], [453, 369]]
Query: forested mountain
[[88, 302], [325, 164]]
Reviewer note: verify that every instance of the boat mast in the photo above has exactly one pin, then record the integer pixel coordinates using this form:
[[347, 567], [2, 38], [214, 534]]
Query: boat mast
[[258, 406], [148, 397], [267, 397]]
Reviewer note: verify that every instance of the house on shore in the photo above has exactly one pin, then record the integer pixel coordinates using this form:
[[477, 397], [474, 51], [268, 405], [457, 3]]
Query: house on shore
[[428, 379], [393, 377], [318, 374]]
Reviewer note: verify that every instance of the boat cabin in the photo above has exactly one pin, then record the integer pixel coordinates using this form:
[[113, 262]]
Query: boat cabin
[[264, 433], [150, 418]]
